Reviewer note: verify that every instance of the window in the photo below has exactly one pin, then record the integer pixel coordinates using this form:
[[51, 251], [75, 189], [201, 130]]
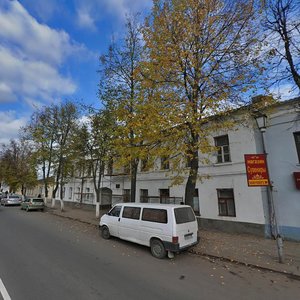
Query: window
[[226, 202], [297, 141], [115, 212], [155, 215], [87, 190], [164, 163], [131, 212], [143, 196], [164, 195], [126, 195], [222, 142], [144, 165], [184, 215], [70, 192]]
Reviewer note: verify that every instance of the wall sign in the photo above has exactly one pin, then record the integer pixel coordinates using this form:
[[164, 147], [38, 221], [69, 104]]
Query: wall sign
[[257, 170], [297, 179]]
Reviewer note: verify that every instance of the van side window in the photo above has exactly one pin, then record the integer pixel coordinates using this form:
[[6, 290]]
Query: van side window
[[155, 215], [184, 215], [115, 212], [131, 212]]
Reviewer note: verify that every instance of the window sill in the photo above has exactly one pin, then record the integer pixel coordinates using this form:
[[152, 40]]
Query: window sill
[[222, 164], [227, 216]]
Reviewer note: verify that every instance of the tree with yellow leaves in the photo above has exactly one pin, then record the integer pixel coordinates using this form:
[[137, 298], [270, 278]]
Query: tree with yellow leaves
[[202, 56]]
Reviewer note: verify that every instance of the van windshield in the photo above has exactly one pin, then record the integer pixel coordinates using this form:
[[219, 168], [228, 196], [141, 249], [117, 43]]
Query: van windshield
[[184, 215]]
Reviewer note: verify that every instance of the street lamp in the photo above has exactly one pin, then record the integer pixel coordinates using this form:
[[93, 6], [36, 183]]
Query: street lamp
[[261, 121]]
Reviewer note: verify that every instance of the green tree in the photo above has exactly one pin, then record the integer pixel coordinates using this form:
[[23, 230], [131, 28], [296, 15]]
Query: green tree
[[120, 89], [202, 55], [51, 130], [41, 130], [93, 146], [17, 166]]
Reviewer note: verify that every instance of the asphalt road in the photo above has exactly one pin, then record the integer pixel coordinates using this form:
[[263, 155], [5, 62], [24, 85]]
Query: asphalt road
[[47, 257]]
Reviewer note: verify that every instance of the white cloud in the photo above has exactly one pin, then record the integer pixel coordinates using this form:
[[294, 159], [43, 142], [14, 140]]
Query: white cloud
[[45, 10], [10, 125], [31, 55], [36, 40], [6, 94], [123, 7], [30, 78], [284, 91], [85, 19], [90, 11], [33, 103]]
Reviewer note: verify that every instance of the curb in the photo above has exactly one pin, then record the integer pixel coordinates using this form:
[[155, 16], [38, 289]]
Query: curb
[[71, 218], [221, 258], [210, 256]]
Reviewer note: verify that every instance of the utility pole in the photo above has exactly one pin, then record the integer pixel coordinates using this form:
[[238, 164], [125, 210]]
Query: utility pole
[[261, 120]]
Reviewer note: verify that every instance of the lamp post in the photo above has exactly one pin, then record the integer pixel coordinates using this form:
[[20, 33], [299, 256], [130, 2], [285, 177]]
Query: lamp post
[[261, 121]]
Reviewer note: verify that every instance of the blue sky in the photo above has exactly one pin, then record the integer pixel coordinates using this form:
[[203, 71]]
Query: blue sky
[[49, 51]]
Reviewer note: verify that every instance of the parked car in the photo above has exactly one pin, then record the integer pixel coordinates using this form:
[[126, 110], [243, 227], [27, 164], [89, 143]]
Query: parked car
[[11, 199], [162, 227], [33, 204]]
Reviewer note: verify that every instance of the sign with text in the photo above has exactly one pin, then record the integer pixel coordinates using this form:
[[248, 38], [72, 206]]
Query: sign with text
[[257, 171]]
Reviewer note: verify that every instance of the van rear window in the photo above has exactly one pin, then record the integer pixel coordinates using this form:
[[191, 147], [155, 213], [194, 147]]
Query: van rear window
[[155, 215], [184, 215], [131, 212]]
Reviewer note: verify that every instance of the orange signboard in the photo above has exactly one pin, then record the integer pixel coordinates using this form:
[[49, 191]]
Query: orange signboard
[[257, 171]]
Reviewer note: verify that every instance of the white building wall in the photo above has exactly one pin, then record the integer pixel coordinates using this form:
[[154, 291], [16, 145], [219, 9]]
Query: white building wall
[[283, 161], [248, 201]]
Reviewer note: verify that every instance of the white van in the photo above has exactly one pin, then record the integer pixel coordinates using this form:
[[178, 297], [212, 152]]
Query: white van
[[162, 227]]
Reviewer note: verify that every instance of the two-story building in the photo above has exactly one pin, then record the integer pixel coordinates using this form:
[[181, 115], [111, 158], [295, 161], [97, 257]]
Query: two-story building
[[224, 200]]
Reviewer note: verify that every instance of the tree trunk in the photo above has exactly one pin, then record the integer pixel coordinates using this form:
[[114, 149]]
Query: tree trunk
[[134, 168], [192, 179], [81, 189], [46, 190]]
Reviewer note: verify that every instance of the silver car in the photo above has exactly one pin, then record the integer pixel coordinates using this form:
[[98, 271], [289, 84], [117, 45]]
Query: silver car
[[11, 200], [33, 204]]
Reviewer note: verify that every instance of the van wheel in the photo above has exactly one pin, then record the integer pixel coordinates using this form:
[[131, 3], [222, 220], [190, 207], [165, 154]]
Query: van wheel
[[105, 232], [157, 249]]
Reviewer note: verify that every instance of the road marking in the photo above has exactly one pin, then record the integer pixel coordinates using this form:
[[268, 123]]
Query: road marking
[[4, 291]]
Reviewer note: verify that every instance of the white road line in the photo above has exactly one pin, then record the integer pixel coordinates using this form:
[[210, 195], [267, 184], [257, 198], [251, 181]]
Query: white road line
[[3, 291]]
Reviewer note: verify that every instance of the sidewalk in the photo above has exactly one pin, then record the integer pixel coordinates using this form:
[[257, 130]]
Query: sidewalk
[[245, 249]]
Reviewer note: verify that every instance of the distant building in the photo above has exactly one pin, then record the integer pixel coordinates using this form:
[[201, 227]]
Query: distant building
[[39, 189]]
